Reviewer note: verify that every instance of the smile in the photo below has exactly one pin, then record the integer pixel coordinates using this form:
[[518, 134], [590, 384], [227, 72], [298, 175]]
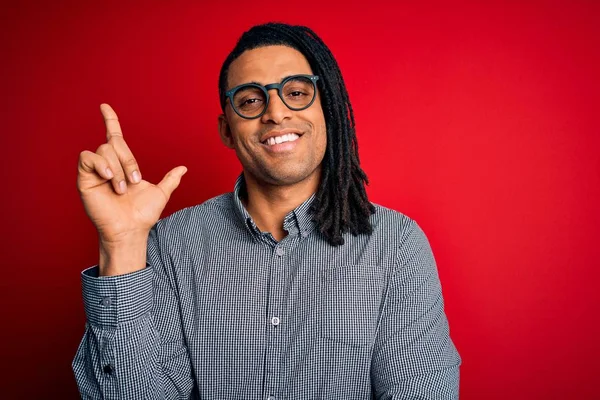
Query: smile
[[288, 137]]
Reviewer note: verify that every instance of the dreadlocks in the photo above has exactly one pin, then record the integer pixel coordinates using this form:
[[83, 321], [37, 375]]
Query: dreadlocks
[[341, 204]]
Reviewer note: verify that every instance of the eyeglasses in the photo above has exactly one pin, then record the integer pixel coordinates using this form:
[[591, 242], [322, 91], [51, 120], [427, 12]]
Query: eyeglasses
[[251, 100]]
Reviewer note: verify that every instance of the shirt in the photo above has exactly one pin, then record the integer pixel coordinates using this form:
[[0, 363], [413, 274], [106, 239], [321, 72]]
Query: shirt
[[224, 311]]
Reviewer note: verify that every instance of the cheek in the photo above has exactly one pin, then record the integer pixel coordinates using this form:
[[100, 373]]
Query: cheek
[[318, 119], [320, 128], [241, 132]]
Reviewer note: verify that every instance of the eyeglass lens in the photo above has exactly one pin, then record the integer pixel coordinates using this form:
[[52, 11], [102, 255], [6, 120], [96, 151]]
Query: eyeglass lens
[[297, 93]]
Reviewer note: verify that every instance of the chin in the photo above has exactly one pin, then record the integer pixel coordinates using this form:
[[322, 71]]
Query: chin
[[286, 180], [282, 177]]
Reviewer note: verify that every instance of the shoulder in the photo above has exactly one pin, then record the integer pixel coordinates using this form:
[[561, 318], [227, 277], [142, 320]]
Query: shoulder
[[391, 222], [400, 230]]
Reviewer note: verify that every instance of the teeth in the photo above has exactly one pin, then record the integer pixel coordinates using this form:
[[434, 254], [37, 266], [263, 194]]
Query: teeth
[[289, 137]]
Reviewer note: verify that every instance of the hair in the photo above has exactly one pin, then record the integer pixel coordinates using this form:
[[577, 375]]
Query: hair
[[341, 203]]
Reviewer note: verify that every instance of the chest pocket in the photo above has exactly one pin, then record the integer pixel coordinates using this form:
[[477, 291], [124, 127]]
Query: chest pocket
[[350, 300]]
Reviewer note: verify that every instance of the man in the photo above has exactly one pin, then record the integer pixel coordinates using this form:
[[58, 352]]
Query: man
[[294, 286]]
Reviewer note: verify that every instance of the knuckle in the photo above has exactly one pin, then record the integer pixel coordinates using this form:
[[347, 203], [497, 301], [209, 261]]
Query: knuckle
[[117, 171], [84, 155], [130, 162], [86, 160], [103, 148], [118, 176], [114, 136]]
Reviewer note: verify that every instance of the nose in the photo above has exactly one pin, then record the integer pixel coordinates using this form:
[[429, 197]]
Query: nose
[[276, 111]]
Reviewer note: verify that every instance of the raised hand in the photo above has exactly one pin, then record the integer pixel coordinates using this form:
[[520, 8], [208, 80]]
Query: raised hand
[[121, 205]]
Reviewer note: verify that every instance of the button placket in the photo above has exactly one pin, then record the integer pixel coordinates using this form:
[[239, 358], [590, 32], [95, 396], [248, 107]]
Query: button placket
[[277, 286], [106, 302]]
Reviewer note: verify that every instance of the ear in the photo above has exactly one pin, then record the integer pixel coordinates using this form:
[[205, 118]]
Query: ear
[[225, 132]]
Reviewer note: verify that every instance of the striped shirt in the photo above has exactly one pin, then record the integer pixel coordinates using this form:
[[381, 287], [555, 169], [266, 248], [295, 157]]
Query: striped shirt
[[224, 311]]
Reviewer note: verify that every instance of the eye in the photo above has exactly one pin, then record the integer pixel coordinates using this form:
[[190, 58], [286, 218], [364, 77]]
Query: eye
[[249, 98], [298, 90], [296, 93], [248, 101]]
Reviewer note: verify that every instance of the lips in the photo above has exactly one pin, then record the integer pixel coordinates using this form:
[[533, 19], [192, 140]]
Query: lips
[[277, 137], [288, 137]]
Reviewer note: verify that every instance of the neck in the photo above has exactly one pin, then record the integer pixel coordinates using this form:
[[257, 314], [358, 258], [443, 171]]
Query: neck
[[269, 204]]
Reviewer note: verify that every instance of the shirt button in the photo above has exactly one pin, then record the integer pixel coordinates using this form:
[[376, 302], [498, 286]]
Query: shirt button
[[304, 234], [108, 369], [279, 251], [271, 398], [275, 321], [106, 301]]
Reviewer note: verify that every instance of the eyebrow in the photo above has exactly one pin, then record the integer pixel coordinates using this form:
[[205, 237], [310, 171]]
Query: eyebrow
[[260, 84]]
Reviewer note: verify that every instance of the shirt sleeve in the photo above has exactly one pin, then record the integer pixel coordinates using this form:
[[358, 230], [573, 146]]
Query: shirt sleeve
[[413, 355], [133, 346]]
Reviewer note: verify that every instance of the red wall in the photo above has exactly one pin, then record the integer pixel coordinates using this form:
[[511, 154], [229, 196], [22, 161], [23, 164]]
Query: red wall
[[479, 121]]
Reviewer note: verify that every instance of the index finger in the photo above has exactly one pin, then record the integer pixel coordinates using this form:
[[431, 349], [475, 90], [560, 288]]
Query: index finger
[[113, 128]]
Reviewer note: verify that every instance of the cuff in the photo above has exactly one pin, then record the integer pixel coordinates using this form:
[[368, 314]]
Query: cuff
[[113, 300]]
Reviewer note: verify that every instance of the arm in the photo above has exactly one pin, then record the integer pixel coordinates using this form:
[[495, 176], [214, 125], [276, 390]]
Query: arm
[[133, 346], [413, 356]]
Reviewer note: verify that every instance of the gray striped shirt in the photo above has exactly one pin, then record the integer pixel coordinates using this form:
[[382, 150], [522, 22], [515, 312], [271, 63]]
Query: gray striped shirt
[[224, 311]]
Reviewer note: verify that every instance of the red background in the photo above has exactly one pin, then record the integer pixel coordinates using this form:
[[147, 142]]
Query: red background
[[477, 120]]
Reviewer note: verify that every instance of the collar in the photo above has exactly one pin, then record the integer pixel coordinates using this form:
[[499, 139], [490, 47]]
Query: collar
[[296, 222]]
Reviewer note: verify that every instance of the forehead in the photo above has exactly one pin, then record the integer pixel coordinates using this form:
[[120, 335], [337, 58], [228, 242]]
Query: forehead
[[266, 65]]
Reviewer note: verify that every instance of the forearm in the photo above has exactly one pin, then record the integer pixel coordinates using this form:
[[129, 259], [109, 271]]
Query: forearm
[[438, 385], [414, 356], [120, 355], [113, 363]]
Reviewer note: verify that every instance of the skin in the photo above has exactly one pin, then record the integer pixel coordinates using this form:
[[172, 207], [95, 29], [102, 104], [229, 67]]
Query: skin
[[123, 207], [277, 181]]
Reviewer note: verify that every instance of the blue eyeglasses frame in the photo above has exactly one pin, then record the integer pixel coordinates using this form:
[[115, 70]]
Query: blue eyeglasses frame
[[265, 89]]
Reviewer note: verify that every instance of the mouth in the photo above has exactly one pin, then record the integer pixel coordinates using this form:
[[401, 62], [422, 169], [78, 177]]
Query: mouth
[[275, 138]]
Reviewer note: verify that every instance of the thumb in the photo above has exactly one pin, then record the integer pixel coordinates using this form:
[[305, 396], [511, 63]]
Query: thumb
[[171, 180]]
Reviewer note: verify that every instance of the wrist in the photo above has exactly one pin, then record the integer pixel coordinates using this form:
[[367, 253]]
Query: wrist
[[123, 256]]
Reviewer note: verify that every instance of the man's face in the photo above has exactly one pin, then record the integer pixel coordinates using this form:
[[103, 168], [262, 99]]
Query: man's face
[[284, 163]]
